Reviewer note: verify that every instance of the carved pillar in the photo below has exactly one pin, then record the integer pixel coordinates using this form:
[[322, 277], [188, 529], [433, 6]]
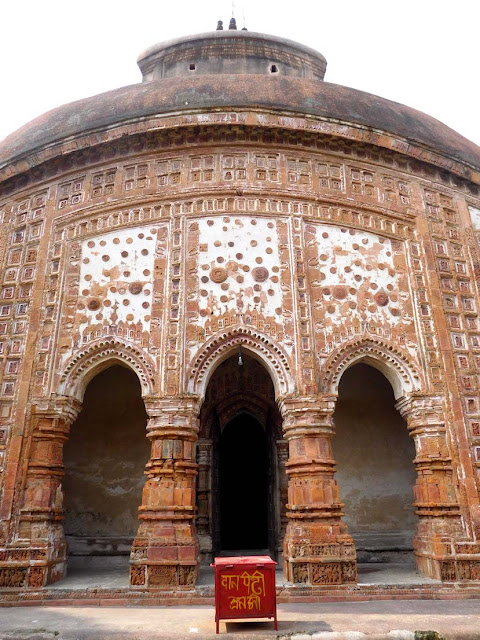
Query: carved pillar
[[317, 548], [435, 499], [204, 497], [282, 455], [38, 555], [165, 552]]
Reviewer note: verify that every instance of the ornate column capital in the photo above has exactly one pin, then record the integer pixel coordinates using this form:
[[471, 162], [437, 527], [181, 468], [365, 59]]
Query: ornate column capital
[[423, 412], [311, 415], [176, 417], [54, 414]]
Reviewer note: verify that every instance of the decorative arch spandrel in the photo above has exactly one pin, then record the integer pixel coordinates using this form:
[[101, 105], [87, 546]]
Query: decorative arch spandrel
[[99, 355], [250, 340], [398, 367]]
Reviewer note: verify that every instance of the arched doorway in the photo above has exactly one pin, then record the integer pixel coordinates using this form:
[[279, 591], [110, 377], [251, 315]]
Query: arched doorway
[[104, 460], [375, 471], [242, 484]]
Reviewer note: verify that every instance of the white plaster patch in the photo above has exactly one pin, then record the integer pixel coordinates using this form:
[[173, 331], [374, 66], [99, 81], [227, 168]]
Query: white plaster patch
[[116, 283], [475, 218], [239, 267], [358, 276]]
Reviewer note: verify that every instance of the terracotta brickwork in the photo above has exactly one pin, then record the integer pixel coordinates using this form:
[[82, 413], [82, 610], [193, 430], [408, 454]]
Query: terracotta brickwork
[[171, 245]]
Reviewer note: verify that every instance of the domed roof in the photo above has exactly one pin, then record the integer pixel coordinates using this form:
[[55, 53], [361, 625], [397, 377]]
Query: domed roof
[[292, 86]]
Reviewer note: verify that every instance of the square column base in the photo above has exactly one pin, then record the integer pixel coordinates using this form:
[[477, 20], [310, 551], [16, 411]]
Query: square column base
[[315, 560], [165, 564]]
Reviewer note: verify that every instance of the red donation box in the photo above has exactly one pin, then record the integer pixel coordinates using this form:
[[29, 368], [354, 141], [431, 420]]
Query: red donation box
[[245, 588]]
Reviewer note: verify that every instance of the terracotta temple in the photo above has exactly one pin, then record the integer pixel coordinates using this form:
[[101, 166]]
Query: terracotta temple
[[239, 311]]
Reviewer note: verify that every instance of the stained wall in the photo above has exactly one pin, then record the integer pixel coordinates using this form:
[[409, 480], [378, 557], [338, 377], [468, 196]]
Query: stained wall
[[374, 454], [104, 462]]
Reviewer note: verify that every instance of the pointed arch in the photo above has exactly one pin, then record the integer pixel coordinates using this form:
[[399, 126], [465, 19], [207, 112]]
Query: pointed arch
[[99, 355], [259, 346], [393, 362]]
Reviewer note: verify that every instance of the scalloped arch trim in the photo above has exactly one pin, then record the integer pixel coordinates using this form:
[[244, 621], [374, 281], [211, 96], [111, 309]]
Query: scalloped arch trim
[[396, 366], [99, 355], [221, 346]]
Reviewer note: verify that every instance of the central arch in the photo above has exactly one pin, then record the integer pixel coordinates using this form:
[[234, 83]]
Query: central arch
[[241, 497]]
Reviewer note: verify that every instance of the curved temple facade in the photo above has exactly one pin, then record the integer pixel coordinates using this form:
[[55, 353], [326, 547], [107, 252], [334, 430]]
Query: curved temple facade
[[238, 234]]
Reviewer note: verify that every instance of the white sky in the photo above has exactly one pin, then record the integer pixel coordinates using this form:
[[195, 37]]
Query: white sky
[[422, 53]]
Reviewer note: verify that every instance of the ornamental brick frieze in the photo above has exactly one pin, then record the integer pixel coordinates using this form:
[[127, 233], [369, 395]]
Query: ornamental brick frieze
[[317, 546], [230, 126], [22, 225], [88, 222], [452, 272], [165, 552]]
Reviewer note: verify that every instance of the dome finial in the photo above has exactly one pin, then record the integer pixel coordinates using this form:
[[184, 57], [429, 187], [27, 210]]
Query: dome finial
[[244, 28], [233, 22], [220, 25]]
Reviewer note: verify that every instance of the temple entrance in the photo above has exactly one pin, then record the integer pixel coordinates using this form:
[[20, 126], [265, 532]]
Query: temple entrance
[[243, 486], [104, 460], [375, 471], [242, 483]]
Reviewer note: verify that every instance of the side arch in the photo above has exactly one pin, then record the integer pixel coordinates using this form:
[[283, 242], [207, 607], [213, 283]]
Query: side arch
[[99, 355], [395, 365], [221, 346]]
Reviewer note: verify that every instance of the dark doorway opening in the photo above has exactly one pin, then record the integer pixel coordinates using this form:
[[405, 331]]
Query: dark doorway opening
[[243, 484]]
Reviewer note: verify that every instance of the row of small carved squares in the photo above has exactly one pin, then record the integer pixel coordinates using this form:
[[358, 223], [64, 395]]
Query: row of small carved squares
[[324, 572], [16, 577], [460, 309], [30, 204], [22, 555], [260, 135], [237, 204], [458, 570], [323, 550], [163, 575], [276, 168]]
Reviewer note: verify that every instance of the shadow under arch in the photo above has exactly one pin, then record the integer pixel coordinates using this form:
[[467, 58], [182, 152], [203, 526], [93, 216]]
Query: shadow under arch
[[104, 458], [99, 355], [222, 346], [374, 455], [391, 361]]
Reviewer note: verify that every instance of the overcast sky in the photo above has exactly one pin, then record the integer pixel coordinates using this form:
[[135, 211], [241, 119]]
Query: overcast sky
[[422, 53]]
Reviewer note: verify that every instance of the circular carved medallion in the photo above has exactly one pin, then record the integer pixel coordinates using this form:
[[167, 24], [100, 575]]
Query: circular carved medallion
[[93, 305], [218, 274], [135, 288], [340, 293], [260, 274], [381, 298]]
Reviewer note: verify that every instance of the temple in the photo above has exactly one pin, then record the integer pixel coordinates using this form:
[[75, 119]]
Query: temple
[[239, 312]]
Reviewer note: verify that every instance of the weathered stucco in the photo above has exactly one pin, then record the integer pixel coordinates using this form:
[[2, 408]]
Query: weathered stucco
[[375, 472], [105, 458]]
